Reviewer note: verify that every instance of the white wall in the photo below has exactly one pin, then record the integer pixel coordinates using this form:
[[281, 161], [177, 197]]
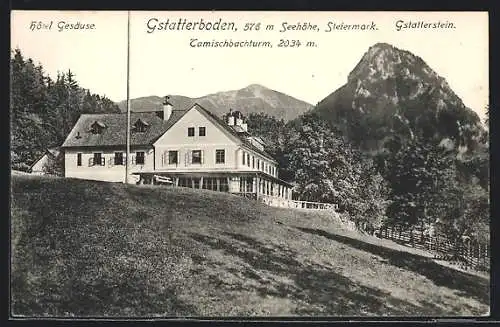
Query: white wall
[[109, 172], [177, 139], [256, 156]]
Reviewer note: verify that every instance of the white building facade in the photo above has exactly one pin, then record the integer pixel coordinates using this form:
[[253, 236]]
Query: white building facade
[[188, 148]]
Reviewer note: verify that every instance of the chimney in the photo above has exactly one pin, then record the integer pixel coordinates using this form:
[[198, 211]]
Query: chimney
[[167, 108], [238, 118], [230, 118]]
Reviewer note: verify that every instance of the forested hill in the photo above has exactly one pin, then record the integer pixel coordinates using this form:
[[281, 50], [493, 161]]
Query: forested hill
[[43, 110]]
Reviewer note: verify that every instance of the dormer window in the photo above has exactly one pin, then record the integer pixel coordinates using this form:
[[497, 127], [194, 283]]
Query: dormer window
[[97, 127], [140, 126]]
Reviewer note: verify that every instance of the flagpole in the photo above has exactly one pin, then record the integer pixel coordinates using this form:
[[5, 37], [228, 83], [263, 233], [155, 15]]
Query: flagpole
[[128, 100]]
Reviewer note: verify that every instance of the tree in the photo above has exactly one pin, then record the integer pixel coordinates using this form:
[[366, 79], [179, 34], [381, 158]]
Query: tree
[[43, 111], [328, 169], [418, 174], [467, 212]]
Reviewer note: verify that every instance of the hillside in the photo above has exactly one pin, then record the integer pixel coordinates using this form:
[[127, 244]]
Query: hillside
[[394, 92], [84, 248], [253, 98]]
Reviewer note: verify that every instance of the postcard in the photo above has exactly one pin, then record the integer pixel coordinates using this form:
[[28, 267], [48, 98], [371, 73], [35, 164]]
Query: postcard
[[207, 164]]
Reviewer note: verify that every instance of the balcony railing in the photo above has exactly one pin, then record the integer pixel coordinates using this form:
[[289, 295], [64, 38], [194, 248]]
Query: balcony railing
[[274, 201]]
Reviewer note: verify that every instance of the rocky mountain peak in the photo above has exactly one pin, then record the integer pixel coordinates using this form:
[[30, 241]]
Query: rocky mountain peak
[[383, 61], [393, 90]]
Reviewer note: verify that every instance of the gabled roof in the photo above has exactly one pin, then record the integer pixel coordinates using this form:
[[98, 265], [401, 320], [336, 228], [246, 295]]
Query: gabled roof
[[51, 153], [115, 132]]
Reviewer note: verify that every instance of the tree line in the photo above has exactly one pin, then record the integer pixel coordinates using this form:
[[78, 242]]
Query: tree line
[[43, 110], [410, 183]]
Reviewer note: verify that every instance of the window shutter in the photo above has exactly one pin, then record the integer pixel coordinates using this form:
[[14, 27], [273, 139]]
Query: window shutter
[[91, 161], [190, 157], [111, 161], [133, 160], [103, 161], [202, 156], [163, 159], [186, 157]]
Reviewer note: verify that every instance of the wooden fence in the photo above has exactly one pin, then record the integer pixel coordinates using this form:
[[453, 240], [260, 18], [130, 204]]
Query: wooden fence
[[467, 253]]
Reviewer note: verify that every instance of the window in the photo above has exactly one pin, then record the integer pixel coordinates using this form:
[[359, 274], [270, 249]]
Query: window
[[173, 157], [209, 183], [190, 131], [258, 164], [201, 131], [118, 158], [78, 159], [196, 157], [220, 156], [253, 162], [185, 182], [223, 185], [140, 126], [248, 160], [139, 158], [244, 157], [196, 183], [98, 159], [97, 127], [246, 184]]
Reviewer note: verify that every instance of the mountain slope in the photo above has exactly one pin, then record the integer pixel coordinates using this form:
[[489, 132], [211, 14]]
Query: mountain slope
[[391, 91], [85, 248], [253, 98]]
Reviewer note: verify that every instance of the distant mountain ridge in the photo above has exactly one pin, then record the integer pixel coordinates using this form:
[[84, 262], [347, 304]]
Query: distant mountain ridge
[[251, 99], [392, 91]]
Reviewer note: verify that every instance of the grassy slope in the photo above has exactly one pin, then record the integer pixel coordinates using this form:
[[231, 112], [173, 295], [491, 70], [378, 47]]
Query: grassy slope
[[95, 248]]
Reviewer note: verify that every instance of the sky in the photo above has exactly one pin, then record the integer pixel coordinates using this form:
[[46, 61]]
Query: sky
[[163, 62]]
